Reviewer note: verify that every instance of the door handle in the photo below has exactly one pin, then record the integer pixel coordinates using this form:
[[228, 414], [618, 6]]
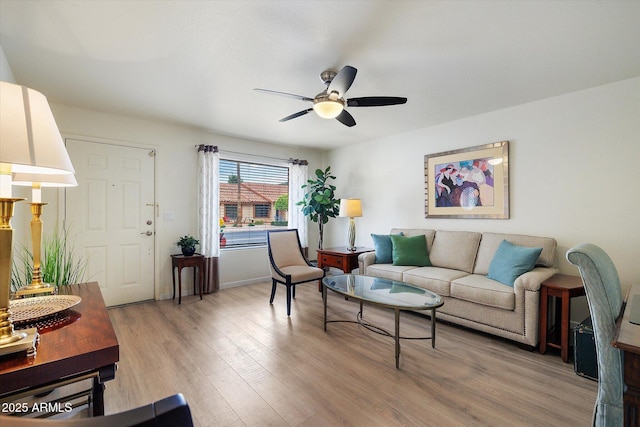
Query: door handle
[[148, 233]]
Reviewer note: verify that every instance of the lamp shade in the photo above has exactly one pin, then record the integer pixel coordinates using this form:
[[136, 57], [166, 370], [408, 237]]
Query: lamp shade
[[45, 180], [350, 207], [29, 137]]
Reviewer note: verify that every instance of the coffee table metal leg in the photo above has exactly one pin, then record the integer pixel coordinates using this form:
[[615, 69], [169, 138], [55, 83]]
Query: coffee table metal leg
[[397, 337], [433, 328], [324, 303]]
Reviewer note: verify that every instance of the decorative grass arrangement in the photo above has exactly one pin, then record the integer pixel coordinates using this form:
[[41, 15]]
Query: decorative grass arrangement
[[60, 264]]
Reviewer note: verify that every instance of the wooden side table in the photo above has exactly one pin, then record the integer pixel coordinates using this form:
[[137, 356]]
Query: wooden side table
[[564, 287], [69, 352], [180, 261], [340, 258]]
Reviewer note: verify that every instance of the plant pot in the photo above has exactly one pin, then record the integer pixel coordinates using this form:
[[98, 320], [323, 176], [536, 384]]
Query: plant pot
[[223, 242], [188, 250]]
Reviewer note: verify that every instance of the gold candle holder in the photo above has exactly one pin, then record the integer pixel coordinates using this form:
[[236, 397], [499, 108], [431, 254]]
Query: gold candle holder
[[36, 286], [10, 340]]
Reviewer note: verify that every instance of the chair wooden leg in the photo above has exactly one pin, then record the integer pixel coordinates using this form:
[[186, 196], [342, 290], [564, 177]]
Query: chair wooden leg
[[273, 290], [289, 300], [293, 294]]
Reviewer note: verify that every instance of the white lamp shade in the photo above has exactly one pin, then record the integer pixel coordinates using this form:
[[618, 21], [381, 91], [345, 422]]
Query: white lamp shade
[[45, 180], [350, 207], [29, 137]]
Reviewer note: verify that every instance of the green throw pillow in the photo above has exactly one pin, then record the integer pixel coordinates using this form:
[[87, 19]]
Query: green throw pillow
[[511, 261], [383, 247], [410, 251]]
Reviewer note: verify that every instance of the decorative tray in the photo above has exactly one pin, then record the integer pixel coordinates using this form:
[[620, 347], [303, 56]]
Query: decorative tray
[[30, 309]]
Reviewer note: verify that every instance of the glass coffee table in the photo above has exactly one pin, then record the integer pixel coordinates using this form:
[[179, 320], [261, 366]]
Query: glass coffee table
[[392, 294]]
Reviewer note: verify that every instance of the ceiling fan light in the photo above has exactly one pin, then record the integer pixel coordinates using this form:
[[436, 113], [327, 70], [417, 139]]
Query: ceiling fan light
[[328, 109]]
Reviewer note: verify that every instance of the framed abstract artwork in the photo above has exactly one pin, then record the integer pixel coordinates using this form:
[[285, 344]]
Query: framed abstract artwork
[[468, 183]]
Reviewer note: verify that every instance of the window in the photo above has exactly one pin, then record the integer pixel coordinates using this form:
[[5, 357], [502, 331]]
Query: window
[[262, 211], [230, 212], [253, 197]]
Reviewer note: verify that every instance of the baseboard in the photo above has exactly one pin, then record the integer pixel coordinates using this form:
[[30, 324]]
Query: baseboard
[[245, 282]]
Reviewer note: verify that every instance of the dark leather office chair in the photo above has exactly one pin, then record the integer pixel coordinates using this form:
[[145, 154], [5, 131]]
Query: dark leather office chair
[[172, 411], [288, 263]]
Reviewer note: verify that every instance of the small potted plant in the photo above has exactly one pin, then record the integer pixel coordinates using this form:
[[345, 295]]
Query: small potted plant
[[188, 244]]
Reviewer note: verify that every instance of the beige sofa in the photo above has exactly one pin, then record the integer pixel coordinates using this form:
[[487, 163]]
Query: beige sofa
[[460, 264]]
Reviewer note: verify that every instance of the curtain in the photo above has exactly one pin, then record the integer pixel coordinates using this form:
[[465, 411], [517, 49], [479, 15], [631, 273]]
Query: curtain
[[298, 170], [209, 213]]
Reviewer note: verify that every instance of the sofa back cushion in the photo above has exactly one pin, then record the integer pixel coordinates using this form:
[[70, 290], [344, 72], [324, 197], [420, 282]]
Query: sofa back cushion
[[410, 232], [455, 249], [491, 241]]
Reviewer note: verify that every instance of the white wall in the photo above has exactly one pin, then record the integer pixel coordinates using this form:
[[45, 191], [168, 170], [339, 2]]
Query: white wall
[[574, 168], [6, 74], [176, 175]]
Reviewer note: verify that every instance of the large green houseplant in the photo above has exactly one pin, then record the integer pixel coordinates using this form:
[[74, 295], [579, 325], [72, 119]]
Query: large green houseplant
[[319, 202]]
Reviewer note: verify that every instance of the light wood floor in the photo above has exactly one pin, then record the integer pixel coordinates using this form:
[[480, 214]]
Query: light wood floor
[[242, 362]]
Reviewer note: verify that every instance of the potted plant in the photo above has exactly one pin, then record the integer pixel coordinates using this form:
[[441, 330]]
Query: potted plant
[[319, 203], [188, 244], [61, 264]]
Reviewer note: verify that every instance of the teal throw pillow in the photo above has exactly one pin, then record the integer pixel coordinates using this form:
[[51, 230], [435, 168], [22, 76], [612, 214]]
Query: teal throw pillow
[[512, 261], [410, 251], [383, 247]]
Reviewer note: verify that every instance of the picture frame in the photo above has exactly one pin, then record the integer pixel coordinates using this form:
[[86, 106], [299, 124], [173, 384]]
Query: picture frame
[[468, 183]]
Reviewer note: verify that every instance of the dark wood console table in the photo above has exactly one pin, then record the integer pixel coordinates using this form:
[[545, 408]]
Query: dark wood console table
[[627, 338], [84, 347], [181, 261], [340, 258]]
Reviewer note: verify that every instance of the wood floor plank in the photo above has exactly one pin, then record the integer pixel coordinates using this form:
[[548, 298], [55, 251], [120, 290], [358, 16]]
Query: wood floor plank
[[240, 361]]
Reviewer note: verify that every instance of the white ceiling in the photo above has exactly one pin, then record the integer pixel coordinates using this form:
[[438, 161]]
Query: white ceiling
[[196, 62]]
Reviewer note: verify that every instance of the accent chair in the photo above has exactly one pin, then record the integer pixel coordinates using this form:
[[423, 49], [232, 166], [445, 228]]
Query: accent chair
[[288, 263], [604, 296]]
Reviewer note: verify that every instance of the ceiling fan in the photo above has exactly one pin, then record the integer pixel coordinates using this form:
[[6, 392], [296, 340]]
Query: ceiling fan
[[331, 103]]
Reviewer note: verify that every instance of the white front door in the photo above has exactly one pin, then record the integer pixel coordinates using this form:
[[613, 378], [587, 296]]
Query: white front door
[[111, 215]]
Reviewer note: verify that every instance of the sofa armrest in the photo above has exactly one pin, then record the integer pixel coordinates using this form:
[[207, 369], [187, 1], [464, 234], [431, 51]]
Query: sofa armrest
[[531, 280], [365, 260]]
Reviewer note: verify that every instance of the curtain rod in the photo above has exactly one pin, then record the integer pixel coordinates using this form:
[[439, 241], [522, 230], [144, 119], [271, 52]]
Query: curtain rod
[[289, 160]]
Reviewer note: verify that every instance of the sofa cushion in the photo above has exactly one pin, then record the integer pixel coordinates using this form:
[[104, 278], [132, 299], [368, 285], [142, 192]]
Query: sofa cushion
[[383, 247], [434, 279], [482, 290], [511, 261], [490, 242], [455, 250], [410, 250], [387, 271]]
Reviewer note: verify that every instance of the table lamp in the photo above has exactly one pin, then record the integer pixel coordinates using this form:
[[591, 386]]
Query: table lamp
[[351, 208], [37, 181], [30, 142]]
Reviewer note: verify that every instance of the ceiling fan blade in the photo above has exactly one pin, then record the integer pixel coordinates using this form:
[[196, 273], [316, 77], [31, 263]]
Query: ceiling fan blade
[[343, 80], [346, 119], [290, 95], [375, 101], [295, 115]]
